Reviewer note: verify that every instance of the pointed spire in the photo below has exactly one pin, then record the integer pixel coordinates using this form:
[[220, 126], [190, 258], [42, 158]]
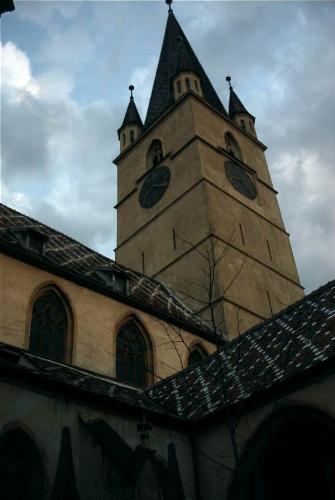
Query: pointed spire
[[235, 104], [132, 116], [162, 96]]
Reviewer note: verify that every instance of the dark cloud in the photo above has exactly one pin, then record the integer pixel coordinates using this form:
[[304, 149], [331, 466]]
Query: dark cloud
[[281, 56]]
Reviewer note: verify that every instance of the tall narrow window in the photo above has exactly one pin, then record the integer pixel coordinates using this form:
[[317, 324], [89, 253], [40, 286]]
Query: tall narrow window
[[187, 83], [132, 136], [155, 153], [178, 86], [269, 300], [242, 234], [174, 239], [124, 138], [243, 125], [269, 249], [196, 355], [133, 355], [50, 325], [232, 146], [196, 85]]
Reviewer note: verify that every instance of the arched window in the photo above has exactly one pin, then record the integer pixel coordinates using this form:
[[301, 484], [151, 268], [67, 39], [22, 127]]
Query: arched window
[[133, 355], [50, 330], [243, 125], [232, 146], [187, 83], [21, 467], [155, 153], [196, 355]]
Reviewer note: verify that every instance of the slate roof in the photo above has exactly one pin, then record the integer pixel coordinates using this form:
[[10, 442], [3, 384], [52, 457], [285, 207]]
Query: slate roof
[[67, 254], [236, 105], [162, 93], [298, 338], [132, 116], [84, 380]]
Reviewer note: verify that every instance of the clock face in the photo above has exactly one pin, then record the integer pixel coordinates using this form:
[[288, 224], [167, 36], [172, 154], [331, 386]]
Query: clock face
[[154, 186], [240, 180]]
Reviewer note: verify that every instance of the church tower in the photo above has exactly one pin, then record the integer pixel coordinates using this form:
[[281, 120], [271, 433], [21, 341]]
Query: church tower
[[196, 206]]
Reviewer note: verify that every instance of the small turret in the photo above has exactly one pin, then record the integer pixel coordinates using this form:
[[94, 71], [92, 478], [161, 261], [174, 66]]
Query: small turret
[[132, 125], [238, 112], [185, 78]]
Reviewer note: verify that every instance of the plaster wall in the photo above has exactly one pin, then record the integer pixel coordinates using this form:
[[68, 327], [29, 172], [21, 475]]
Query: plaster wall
[[97, 319], [212, 127], [44, 417]]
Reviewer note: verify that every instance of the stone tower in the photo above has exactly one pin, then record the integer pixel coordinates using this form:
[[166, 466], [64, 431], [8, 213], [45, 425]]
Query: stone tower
[[196, 206]]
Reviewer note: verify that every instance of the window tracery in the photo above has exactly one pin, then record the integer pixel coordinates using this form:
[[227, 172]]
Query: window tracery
[[232, 146], [155, 154], [49, 327], [133, 355]]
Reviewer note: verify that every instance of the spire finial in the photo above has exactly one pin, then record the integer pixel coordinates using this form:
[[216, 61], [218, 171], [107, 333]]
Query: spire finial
[[131, 88], [228, 79], [169, 3]]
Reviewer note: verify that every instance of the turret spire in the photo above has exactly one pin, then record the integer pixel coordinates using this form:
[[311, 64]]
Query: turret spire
[[132, 124], [238, 112]]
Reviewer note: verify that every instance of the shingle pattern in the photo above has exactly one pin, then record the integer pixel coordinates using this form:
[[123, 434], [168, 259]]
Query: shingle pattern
[[77, 377], [298, 338], [162, 93], [68, 254]]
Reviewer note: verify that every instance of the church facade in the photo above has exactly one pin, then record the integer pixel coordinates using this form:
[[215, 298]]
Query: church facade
[[192, 367]]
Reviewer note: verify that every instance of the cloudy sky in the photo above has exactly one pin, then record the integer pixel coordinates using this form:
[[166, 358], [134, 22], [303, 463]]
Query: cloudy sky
[[66, 67]]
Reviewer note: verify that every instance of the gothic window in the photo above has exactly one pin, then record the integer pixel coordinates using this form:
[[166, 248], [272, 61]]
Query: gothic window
[[187, 83], [232, 146], [132, 136], [196, 355], [133, 355], [21, 467], [50, 325], [155, 153]]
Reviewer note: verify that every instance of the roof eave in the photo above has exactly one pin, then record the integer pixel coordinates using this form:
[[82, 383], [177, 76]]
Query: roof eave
[[42, 263]]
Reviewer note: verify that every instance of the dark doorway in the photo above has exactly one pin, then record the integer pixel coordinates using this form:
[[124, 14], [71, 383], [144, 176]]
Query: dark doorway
[[292, 456], [21, 468]]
